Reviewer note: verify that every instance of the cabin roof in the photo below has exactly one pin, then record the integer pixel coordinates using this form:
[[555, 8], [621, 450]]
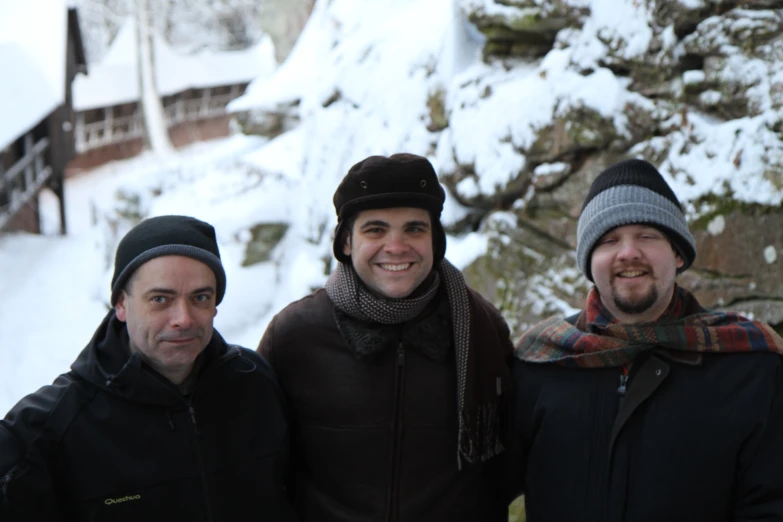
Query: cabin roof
[[33, 54], [114, 80]]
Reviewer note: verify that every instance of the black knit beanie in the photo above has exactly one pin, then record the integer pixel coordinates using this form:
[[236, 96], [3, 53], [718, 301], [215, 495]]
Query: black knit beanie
[[400, 180], [631, 192], [167, 236]]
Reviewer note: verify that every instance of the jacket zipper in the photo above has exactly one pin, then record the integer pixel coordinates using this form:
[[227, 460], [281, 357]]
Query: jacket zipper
[[399, 388], [201, 469], [623, 388], [622, 391], [7, 480]]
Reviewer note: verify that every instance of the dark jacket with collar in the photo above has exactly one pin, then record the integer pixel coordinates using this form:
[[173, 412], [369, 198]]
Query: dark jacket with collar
[[114, 440], [695, 438], [375, 414]]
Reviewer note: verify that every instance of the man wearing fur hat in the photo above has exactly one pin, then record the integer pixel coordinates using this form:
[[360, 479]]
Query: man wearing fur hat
[[159, 418], [645, 406], [396, 371]]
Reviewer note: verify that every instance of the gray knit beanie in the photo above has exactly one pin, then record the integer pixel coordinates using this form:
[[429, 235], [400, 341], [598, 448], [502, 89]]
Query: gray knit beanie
[[631, 192]]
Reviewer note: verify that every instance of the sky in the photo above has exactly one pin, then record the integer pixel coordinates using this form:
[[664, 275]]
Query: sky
[[354, 85]]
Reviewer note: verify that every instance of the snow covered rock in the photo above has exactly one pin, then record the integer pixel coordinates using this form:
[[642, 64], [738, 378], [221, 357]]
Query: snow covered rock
[[520, 104], [522, 28], [742, 51]]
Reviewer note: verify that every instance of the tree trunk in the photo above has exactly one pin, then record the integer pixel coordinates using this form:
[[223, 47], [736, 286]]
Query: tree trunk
[[157, 135]]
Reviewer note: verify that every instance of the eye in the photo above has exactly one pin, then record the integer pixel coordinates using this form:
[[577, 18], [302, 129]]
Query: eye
[[607, 241], [201, 298], [158, 299]]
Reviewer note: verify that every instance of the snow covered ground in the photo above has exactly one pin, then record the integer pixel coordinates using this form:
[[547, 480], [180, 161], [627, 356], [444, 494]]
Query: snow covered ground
[[57, 288]]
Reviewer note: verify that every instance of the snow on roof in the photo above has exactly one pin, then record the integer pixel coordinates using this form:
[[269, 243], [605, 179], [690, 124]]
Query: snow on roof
[[26, 96], [32, 58], [115, 79]]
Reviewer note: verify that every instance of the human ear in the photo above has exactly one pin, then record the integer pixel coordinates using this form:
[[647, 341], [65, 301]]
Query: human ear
[[119, 309]]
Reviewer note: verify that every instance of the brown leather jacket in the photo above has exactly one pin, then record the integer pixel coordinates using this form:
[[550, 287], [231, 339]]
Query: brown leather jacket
[[375, 426]]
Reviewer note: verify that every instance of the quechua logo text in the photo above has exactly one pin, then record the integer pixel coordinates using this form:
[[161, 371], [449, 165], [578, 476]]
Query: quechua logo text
[[128, 498]]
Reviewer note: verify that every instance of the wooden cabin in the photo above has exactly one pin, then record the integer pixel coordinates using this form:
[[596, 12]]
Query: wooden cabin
[[37, 119], [194, 90]]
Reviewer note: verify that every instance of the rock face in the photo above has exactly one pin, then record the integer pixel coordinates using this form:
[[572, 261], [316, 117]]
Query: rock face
[[264, 238], [700, 95], [522, 27], [284, 20], [740, 257]]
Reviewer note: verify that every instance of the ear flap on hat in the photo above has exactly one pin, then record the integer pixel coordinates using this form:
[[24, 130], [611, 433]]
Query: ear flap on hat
[[342, 232]]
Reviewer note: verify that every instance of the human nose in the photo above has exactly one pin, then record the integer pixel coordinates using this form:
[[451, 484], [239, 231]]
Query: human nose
[[181, 315], [628, 249], [396, 243]]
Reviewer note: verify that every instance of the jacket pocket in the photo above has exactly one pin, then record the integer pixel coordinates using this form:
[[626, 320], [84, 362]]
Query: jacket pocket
[[26, 494], [5, 484]]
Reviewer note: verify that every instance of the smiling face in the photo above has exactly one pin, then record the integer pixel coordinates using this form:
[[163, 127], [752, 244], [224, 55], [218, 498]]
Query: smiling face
[[168, 306], [634, 268], [391, 249]]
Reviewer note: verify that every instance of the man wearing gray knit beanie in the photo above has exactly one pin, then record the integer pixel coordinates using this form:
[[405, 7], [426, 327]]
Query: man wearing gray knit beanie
[[646, 406]]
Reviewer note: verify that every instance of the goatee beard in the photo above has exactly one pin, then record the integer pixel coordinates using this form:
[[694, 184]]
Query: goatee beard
[[636, 306]]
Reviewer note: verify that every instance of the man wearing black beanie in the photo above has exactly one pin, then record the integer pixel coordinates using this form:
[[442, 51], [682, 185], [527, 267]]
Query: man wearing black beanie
[[645, 406], [159, 418], [396, 371]]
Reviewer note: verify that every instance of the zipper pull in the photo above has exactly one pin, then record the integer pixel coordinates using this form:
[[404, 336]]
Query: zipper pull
[[193, 418], [623, 382], [400, 355]]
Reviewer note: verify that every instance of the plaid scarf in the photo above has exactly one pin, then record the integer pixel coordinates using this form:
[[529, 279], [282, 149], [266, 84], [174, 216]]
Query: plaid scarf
[[597, 340], [478, 437]]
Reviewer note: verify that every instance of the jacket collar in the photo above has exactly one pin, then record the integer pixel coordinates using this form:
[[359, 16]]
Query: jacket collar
[[430, 334], [106, 362], [679, 356]]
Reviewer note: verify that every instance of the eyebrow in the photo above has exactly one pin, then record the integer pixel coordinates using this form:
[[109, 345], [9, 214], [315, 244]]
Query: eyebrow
[[169, 291], [422, 224], [380, 223], [374, 223]]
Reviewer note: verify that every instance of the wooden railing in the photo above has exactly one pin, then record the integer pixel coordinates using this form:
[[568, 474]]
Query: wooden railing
[[197, 109], [111, 130], [21, 182], [107, 132]]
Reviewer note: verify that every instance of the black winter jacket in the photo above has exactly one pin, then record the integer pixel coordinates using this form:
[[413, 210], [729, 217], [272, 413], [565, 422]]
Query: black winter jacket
[[696, 438], [375, 434], [112, 440]]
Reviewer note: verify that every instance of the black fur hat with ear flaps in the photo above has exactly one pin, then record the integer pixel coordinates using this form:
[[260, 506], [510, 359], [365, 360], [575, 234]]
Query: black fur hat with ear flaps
[[400, 180]]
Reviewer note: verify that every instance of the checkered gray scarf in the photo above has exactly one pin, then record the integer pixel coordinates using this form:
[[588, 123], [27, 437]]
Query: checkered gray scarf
[[350, 295]]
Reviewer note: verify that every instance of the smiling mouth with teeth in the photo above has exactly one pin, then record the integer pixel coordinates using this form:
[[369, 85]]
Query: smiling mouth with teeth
[[395, 268], [631, 273]]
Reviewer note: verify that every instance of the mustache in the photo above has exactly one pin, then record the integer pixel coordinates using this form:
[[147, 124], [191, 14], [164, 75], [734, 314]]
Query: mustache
[[180, 335], [630, 268]]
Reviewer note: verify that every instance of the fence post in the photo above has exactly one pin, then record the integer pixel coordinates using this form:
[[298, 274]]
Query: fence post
[[29, 169]]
